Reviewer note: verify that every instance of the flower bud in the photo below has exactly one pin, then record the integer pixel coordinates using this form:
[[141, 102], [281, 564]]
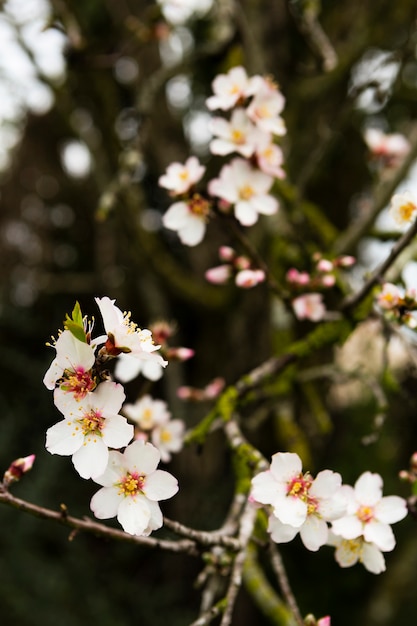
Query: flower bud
[[18, 468]]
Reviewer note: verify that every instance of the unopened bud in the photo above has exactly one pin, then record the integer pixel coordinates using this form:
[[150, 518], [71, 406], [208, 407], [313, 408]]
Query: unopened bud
[[324, 265], [18, 468], [226, 253]]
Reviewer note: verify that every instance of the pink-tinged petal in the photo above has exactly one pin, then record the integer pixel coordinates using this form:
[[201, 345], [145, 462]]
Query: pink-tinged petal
[[314, 533], [63, 438], [325, 484], [368, 489], [91, 459], [379, 534], [332, 508], [281, 533], [160, 485], [264, 488], [222, 147], [105, 503], [192, 233], [117, 432], [176, 216], [219, 127], [391, 509], [245, 213], [349, 527], [141, 457], [223, 188], [134, 515], [290, 510], [372, 559], [286, 465]]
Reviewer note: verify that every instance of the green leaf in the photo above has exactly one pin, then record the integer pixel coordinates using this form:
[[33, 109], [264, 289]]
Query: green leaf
[[75, 324]]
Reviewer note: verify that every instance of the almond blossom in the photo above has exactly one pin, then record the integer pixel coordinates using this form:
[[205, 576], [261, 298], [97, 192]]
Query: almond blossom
[[238, 135], [72, 367], [249, 278], [129, 367], [300, 503], [147, 412], [168, 437], [179, 178], [403, 209], [264, 111], [132, 486], [247, 189], [229, 89], [309, 306], [90, 426], [188, 219], [270, 157], [369, 515], [351, 551], [390, 148], [124, 336]]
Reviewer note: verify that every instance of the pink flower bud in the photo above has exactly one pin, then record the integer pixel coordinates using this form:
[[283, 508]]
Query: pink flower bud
[[242, 263], [328, 281], [18, 468], [215, 387], [249, 278], [324, 265], [345, 261], [218, 275], [309, 307], [292, 275], [324, 621], [180, 354], [226, 253]]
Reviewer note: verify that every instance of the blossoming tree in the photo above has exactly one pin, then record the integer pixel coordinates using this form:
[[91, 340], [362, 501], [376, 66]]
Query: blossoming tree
[[233, 280]]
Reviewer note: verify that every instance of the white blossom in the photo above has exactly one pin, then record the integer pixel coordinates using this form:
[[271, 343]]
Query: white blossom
[[239, 135], [403, 209], [309, 306], [188, 219], [229, 89], [179, 178], [132, 486]]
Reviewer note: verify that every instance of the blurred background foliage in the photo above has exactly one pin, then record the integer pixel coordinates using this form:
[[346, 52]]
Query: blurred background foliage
[[97, 98]]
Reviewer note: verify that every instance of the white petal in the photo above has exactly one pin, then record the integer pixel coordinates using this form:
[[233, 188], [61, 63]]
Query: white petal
[[373, 559], [193, 232], [314, 533], [264, 488], [108, 396], [348, 527], [348, 552], [142, 457], [245, 213], [127, 368], [117, 432], [114, 471], [391, 509], [290, 510], [105, 503], [380, 534], [368, 489], [266, 205], [285, 466], [91, 459], [160, 485], [325, 484], [176, 216], [281, 533], [134, 515], [63, 438], [156, 519]]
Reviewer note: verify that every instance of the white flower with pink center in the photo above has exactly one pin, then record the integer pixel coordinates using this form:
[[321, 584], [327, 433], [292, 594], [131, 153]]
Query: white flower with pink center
[[124, 336], [309, 306], [188, 219], [179, 178], [324, 503], [389, 147], [218, 275], [285, 488], [390, 296], [132, 486], [249, 278], [71, 368], [369, 515], [265, 109], [247, 189], [229, 89], [403, 209], [238, 135], [90, 426], [351, 551]]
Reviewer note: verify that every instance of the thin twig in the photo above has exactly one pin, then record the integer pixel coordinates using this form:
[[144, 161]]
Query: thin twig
[[205, 538], [281, 574], [87, 525], [379, 272]]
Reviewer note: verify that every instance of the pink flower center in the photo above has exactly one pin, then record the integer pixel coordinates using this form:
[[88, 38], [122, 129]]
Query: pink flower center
[[365, 513], [299, 486], [131, 484], [199, 206], [78, 382]]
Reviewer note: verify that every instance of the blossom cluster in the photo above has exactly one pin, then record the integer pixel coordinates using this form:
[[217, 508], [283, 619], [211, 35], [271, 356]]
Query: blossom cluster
[[310, 306], [244, 183], [398, 304], [298, 503], [245, 275], [93, 431]]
